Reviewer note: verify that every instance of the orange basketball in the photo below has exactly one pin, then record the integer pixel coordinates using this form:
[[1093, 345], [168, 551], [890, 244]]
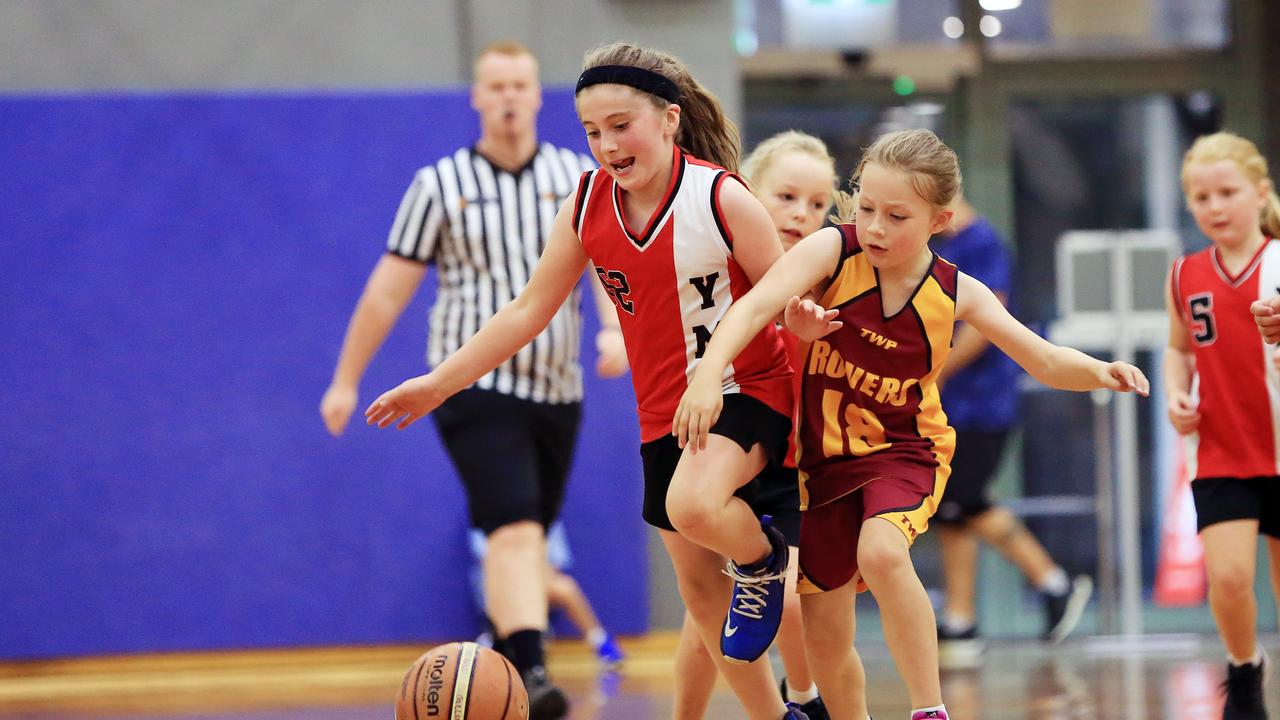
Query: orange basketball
[[462, 681]]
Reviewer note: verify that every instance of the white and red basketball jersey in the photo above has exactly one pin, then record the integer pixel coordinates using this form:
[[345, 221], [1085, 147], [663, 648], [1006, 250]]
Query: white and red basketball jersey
[[1239, 432], [672, 281]]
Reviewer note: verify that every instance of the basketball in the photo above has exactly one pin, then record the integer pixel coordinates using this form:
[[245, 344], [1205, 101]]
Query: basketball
[[462, 681]]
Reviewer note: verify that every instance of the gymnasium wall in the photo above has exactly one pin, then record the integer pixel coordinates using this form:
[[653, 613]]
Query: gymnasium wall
[[178, 270], [338, 44]]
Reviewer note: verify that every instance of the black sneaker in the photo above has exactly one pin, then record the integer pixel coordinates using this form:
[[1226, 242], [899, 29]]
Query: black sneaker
[[959, 650], [1063, 612], [1243, 688], [815, 709], [546, 701]]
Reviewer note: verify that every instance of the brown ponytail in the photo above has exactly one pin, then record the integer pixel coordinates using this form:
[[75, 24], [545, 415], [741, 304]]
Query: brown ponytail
[[705, 131]]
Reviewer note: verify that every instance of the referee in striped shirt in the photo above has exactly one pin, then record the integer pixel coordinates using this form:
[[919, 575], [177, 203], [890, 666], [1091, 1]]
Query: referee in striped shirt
[[482, 215]]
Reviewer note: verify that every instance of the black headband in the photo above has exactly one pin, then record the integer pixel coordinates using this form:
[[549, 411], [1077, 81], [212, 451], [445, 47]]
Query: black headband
[[638, 78]]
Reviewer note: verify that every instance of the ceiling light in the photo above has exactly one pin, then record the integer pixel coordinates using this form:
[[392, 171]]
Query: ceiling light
[[953, 27], [990, 25]]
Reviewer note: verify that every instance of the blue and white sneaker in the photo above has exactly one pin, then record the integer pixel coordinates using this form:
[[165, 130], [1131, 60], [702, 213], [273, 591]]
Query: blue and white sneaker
[[755, 611]]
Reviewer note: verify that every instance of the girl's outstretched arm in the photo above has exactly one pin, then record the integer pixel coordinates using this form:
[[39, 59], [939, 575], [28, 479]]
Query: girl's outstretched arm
[[1054, 365], [513, 327], [808, 263]]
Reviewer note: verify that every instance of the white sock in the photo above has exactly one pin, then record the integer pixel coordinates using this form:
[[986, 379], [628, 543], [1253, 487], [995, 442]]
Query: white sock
[[1056, 582], [1257, 658], [938, 708], [802, 696], [955, 623], [595, 637]]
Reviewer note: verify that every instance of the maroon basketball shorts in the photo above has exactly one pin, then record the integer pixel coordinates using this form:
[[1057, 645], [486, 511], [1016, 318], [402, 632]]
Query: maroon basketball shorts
[[829, 533]]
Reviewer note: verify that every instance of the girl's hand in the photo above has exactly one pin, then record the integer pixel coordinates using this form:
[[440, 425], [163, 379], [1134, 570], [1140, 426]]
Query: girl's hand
[[1266, 313], [410, 400], [809, 321], [612, 359], [1123, 377], [698, 410], [1183, 413]]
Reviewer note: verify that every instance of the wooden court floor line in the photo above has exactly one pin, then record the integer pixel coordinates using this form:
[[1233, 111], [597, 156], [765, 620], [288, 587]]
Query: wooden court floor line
[[244, 678]]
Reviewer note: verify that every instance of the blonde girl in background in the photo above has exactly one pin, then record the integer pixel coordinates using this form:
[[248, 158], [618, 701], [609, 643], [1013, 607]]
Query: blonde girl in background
[[1232, 428], [873, 442], [794, 177]]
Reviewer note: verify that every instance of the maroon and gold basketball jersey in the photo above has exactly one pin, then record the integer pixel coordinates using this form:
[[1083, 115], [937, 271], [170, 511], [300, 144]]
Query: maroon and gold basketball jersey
[[869, 404], [1239, 431], [672, 281]]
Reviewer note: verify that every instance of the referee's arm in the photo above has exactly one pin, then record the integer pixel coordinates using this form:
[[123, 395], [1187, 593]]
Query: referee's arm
[[391, 286]]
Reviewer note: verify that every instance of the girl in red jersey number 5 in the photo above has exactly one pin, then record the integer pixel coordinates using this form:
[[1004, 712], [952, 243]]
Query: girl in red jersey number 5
[[873, 442], [675, 239], [1234, 429]]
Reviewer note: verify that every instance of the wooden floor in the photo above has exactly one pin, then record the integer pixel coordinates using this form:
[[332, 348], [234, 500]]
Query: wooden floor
[[1162, 677]]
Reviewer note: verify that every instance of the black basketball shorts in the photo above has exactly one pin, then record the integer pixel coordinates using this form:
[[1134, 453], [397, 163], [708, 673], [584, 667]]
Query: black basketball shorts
[[1224, 499], [744, 420], [512, 455]]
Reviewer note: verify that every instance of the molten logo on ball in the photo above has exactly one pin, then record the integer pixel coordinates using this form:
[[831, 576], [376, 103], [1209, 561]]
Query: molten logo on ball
[[462, 681]]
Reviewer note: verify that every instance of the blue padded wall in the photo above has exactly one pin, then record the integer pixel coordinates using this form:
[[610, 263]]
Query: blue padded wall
[[178, 271]]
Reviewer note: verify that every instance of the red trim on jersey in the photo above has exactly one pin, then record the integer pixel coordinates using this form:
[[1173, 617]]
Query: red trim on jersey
[[1249, 267], [668, 197]]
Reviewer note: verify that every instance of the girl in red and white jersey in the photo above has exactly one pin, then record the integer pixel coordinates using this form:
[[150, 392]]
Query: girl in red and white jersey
[[794, 176], [1234, 427], [675, 237]]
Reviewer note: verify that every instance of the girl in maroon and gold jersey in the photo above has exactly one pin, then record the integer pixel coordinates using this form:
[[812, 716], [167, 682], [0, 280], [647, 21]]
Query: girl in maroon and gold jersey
[[873, 442]]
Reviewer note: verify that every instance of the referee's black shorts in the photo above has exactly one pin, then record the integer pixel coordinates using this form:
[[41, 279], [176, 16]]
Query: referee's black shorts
[[973, 467], [513, 455], [744, 420]]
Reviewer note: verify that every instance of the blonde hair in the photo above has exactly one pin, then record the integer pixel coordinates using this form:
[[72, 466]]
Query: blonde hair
[[757, 164], [510, 48], [933, 168], [1209, 149], [705, 131]]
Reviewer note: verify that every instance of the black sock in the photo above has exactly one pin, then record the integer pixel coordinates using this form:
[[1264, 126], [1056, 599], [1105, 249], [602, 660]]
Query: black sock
[[759, 566], [525, 647]]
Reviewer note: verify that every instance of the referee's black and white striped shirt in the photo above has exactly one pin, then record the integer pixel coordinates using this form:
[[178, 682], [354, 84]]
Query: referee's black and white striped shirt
[[484, 228]]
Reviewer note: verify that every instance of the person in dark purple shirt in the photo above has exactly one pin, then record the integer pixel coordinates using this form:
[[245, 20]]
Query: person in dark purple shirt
[[980, 396]]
